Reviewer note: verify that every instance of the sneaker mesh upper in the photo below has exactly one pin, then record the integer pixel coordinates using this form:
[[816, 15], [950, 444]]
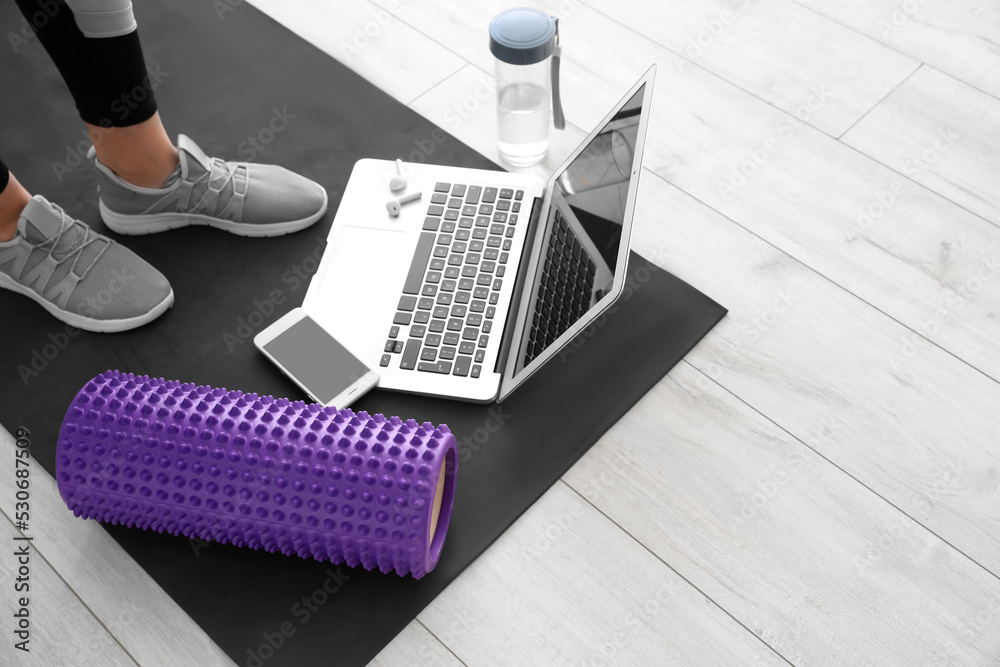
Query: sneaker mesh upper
[[118, 285], [278, 195], [272, 194], [34, 259], [69, 242], [121, 285]]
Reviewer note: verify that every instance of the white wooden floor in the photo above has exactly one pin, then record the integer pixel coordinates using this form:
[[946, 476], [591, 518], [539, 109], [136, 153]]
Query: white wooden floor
[[819, 481]]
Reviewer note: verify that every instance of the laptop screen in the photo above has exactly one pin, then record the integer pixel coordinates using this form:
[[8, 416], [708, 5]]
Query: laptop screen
[[588, 220]]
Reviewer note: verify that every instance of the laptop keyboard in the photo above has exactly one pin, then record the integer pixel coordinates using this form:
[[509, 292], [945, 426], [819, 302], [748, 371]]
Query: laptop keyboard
[[451, 291], [565, 289]]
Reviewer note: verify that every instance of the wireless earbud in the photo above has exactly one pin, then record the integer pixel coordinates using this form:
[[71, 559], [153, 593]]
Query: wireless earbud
[[393, 205], [398, 182]]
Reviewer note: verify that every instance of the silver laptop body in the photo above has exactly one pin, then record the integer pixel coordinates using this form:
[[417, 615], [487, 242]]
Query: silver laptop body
[[475, 286]]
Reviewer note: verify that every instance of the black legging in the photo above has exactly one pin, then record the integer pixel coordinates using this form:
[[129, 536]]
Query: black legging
[[99, 57]]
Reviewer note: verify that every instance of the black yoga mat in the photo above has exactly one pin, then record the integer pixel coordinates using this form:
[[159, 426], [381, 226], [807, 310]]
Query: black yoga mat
[[222, 81]]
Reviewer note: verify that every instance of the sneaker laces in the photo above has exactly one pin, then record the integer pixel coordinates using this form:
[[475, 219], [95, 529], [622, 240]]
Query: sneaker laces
[[78, 236], [220, 169]]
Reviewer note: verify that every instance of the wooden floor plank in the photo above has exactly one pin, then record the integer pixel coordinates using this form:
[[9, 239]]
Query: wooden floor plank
[[777, 50], [788, 55], [562, 586], [814, 563], [960, 37], [941, 133], [415, 645], [62, 630], [126, 601], [387, 52], [919, 429], [908, 251]]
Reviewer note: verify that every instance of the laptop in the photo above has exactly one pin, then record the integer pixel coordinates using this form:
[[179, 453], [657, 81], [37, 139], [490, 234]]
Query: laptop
[[480, 282]]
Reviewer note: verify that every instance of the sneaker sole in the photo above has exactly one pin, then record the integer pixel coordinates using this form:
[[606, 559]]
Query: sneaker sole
[[88, 323], [154, 223]]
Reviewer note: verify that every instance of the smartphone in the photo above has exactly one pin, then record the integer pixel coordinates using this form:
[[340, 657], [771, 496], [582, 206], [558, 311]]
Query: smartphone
[[308, 354]]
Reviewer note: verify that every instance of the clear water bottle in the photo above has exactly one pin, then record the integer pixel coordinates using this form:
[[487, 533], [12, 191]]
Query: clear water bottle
[[525, 44]]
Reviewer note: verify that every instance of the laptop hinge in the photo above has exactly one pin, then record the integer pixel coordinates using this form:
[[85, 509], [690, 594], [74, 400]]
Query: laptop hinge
[[522, 275]]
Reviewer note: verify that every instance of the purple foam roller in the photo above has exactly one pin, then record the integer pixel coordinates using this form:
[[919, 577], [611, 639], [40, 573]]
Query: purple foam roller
[[260, 472]]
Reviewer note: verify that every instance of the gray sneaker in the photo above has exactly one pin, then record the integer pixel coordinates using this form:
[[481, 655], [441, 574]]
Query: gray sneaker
[[245, 199], [82, 277]]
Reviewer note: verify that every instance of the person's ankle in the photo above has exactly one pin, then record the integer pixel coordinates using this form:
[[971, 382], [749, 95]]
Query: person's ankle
[[8, 228], [141, 154], [150, 172], [13, 199]]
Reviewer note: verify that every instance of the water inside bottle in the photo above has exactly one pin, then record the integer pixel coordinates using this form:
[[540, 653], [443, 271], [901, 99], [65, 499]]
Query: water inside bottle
[[523, 123]]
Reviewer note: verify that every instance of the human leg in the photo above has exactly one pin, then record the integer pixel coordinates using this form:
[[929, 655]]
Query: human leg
[[96, 48], [140, 154], [78, 275], [13, 197], [148, 184]]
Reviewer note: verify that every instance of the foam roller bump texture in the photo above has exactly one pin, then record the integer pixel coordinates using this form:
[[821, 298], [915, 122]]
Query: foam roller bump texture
[[224, 466]]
